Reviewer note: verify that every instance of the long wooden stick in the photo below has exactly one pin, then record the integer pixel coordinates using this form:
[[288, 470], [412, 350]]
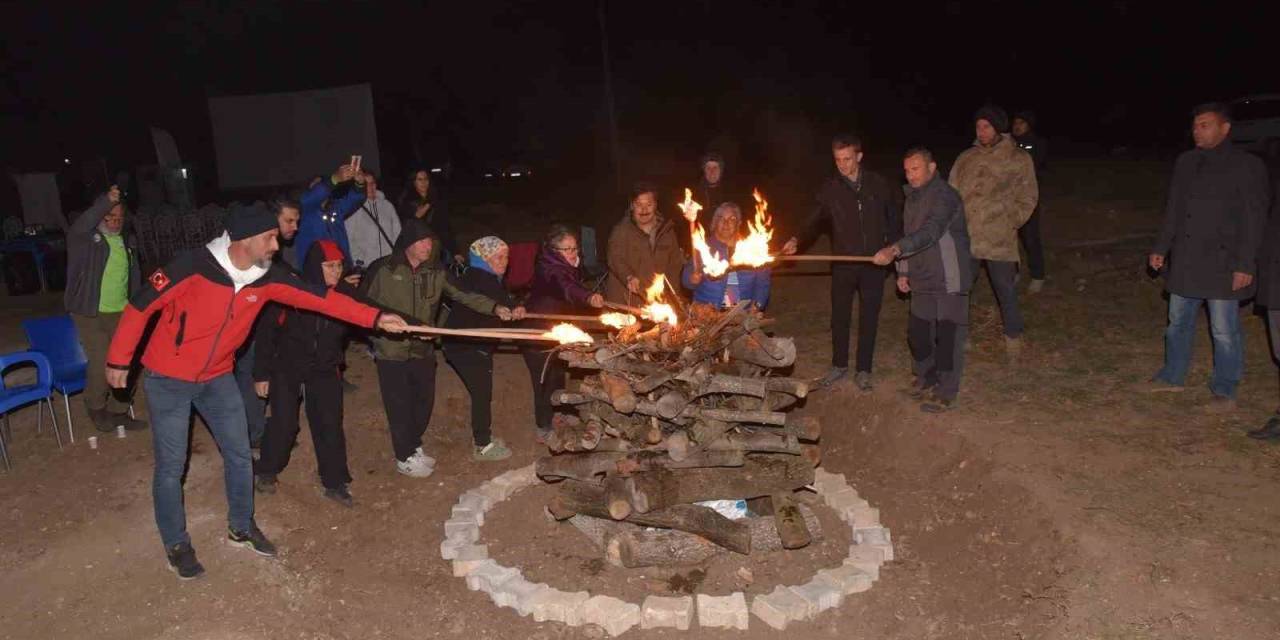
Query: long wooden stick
[[480, 333], [635, 311], [562, 317], [824, 258]]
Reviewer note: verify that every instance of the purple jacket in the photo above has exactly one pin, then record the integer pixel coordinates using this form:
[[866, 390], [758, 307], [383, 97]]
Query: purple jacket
[[557, 285]]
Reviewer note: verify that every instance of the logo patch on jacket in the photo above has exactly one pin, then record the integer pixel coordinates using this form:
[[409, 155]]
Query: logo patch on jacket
[[252, 298], [159, 280]]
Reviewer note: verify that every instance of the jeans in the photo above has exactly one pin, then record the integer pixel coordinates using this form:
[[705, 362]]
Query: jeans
[[1228, 343], [218, 401], [868, 283], [255, 408], [1003, 277]]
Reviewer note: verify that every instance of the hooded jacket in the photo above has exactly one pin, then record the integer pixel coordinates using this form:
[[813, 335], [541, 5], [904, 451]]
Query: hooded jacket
[[87, 253], [302, 341], [324, 216], [207, 311], [437, 218], [415, 294], [998, 186], [372, 230], [557, 285], [633, 253]]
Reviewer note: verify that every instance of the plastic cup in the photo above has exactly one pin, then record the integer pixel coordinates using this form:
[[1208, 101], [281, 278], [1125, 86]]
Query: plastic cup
[[120, 431], [93, 442]]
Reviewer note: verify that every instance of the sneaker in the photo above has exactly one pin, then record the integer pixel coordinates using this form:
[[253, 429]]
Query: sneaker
[[252, 539], [417, 465], [265, 483], [102, 421], [1156, 385], [833, 376], [1221, 404], [918, 390], [130, 423], [938, 405], [862, 380], [431, 462], [340, 495], [182, 561], [1269, 431], [495, 450], [1035, 285]]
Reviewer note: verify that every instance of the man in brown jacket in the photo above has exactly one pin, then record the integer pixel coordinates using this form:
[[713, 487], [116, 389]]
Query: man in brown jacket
[[997, 181], [643, 244]]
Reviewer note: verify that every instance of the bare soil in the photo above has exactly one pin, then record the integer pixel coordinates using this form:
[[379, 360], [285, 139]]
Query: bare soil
[[1056, 502]]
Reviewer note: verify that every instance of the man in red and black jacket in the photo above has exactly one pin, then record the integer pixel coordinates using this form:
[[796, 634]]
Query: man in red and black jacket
[[208, 299]]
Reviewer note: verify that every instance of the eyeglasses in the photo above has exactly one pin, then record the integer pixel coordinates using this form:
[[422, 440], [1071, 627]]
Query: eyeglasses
[[567, 249]]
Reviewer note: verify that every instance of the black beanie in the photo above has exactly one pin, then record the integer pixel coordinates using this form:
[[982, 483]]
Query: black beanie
[[995, 115], [246, 221]]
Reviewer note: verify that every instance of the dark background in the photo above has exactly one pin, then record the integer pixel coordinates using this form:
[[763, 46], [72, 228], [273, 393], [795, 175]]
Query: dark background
[[484, 85]]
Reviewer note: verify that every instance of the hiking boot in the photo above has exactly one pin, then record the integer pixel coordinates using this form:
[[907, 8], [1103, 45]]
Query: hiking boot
[[918, 390], [417, 465], [1269, 431], [1035, 285], [833, 376], [265, 483], [340, 495], [495, 450], [253, 539], [102, 421], [1156, 385], [862, 380], [130, 423], [1221, 404], [938, 405], [182, 561]]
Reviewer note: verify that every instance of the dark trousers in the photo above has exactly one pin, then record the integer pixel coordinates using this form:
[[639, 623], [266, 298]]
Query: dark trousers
[[324, 415], [936, 331], [1029, 234], [543, 386], [1003, 277], [868, 283], [95, 337], [255, 408], [475, 366], [408, 395]]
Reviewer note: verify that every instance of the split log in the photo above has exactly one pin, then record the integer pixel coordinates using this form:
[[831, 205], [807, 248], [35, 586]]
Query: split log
[[758, 442], [586, 499], [635, 429], [789, 522], [616, 497], [586, 466], [761, 474], [730, 415], [793, 386], [618, 390], [764, 351]]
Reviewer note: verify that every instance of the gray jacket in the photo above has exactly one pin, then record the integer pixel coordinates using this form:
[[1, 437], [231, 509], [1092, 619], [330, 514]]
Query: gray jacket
[[935, 250], [87, 253]]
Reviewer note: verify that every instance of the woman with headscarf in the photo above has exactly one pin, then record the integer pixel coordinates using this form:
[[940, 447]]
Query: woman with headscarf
[[734, 285], [422, 202], [472, 359], [557, 288], [644, 244]]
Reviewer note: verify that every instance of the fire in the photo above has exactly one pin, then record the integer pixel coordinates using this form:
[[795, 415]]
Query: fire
[[656, 310], [689, 207], [712, 264], [568, 334], [753, 250], [617, 320]]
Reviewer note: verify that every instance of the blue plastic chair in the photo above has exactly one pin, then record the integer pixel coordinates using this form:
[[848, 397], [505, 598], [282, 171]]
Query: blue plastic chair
[[57, 339], [13, 397]]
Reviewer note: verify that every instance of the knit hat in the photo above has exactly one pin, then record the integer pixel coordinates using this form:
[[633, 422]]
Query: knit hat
[[330, 251], [487, 246], [712, 156], [994, 115], [246, 221], [1027, 116]]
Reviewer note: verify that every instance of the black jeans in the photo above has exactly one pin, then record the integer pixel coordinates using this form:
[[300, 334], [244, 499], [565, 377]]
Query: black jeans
[[475, 366], [936, 331], [324, 415], [868, 283], [1003, 277], [543, 387], [1029, 233], [408, 395]]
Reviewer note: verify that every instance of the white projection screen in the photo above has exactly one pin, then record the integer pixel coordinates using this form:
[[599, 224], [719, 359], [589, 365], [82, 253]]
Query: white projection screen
[[276, 139]]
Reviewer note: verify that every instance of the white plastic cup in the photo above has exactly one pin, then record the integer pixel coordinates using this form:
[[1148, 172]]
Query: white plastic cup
[[93, 442], [119, 431]]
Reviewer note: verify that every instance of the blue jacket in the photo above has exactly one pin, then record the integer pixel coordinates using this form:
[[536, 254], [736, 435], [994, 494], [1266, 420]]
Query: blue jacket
[[753, 284], [319, 222]]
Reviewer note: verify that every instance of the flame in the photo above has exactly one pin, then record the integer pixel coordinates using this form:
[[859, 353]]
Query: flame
[[656, 310], [753, 250], [568, 334], [654, 292], [689, 207], [712, 264], [617, 320]]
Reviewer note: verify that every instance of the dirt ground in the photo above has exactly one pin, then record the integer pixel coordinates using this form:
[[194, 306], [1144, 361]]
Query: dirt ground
[[1056, 502]]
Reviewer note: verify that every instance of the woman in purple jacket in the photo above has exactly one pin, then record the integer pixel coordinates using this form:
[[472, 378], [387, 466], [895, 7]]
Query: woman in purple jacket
[[557, 288]]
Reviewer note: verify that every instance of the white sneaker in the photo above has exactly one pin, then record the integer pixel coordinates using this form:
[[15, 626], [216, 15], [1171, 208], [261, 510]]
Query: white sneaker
[[431, 462], [417, 466], [1035, 286]]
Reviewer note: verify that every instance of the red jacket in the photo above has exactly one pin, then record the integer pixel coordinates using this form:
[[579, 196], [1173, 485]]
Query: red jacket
[[203, 321]]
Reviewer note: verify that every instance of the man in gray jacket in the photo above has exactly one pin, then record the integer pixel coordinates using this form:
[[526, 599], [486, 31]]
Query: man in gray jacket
[[102, 272], [936, 268], [1213, 223]]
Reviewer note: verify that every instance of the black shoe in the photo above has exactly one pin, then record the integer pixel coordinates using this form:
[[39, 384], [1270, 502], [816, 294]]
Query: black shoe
[[182, 560], [253, 539], [341, 496], [130, 423], [862, 380], [347, 387], [102, 421], [265, 483], [938, 405], [919, 390], [1269, 431]]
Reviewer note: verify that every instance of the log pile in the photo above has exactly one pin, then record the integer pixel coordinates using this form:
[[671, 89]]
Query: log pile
[[673, 415]]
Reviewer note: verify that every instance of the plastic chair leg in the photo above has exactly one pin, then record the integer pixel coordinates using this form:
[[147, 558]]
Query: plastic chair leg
[[53, 418], [66, 401], [4, 447]]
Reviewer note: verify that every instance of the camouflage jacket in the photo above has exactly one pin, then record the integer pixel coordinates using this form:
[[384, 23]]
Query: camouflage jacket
[[998, 186]]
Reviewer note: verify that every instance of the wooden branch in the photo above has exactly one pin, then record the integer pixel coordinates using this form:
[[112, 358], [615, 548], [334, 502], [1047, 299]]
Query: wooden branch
[[587, 499], [789, 522], [497, 334], [762, 350], [823, 258]]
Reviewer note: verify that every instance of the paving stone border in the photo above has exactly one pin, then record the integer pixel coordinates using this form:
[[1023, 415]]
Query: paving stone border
[[871, 547]]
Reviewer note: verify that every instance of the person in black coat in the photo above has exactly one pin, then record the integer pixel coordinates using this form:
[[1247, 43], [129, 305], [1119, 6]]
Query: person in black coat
[[472, 359], [1269, 298], [864, 212], [1211, 233], [297, 349], [420, 200], [1024, 133]]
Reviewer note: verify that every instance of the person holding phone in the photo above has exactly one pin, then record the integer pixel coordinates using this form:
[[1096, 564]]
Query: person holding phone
[[326, 205]]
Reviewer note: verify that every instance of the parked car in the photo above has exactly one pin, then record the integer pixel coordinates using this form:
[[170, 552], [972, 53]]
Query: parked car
[[1255, 123]]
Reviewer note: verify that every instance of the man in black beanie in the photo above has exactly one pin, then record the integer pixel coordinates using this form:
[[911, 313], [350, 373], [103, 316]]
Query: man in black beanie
[[997, 182], [208, 299]]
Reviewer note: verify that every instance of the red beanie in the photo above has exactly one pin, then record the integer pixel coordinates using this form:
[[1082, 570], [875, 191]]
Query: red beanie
[[330, 249]]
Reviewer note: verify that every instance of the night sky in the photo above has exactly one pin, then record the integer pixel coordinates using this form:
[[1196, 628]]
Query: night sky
[[487, 83]]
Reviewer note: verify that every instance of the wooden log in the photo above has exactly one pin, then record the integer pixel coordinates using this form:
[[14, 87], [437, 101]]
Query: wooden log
[[617, 497], [634, 429], [678, 445], [670, 404], [790, 523], [794, 386], [708, 430], [762, 350], [758, 442], [729, 415], [807, 428], [619, 392], [650, 490], [720, 383], [761, 474], [584, 467], [587, 499]]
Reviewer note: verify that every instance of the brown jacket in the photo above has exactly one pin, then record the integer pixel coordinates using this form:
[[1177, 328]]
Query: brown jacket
[[998, 186], [633, 253]]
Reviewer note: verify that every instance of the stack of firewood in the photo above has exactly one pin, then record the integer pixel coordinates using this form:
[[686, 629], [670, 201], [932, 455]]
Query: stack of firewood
[[670, 416]]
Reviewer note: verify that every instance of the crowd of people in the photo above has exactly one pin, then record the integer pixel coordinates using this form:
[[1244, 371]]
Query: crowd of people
[[261, 316]]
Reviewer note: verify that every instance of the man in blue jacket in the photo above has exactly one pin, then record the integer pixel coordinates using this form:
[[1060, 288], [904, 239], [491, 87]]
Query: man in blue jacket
[[326, 204]]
